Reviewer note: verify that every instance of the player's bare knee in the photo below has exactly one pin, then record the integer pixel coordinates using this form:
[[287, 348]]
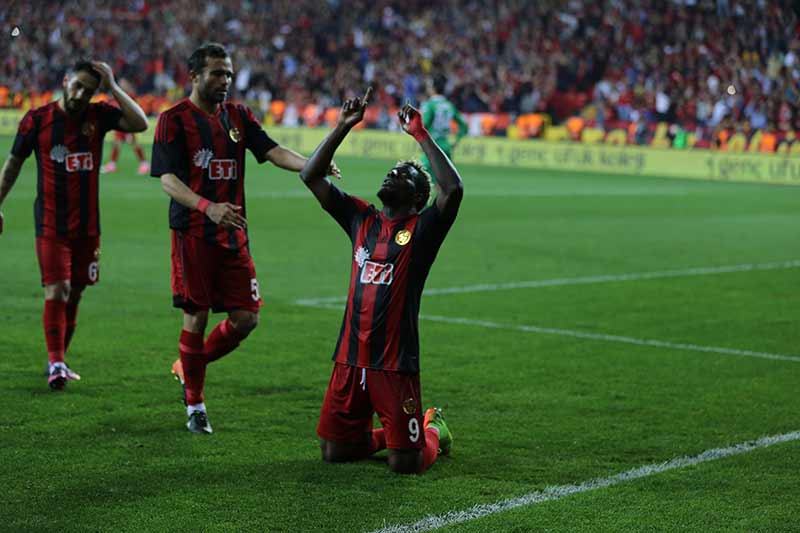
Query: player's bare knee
[[323, 445], [195, 322], [405, 461], [75, 293], [59, 290], [328, 456], [244, 322], [330, 453]]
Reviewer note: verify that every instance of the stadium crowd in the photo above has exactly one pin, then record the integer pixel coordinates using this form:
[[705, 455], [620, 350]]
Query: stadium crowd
[[700, 64]]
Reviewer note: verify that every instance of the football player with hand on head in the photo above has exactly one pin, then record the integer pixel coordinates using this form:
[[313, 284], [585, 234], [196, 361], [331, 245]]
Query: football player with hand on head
[[199, 156], [376, 359], [67, 137]]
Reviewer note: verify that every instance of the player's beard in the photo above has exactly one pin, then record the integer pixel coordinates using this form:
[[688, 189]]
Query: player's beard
[[74, 106], [216, 96]]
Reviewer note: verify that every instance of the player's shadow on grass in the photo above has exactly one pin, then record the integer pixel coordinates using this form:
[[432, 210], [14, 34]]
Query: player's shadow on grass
[[275, 390], [171, 478]]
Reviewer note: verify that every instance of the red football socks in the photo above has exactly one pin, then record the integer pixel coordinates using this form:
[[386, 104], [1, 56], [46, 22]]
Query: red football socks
[[114, 153], [139, 152], [222, 341], [378, 441], [72, 320], [54, 320], [194, 366], [431, 450]]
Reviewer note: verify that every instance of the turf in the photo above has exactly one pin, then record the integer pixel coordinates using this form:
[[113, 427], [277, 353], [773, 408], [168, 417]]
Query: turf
[[528, 410]]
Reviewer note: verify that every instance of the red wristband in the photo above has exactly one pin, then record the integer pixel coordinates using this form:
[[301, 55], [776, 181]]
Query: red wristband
[[420, 135], [202, 205]]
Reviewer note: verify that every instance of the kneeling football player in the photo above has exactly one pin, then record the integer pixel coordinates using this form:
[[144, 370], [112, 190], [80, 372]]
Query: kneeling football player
[[376, 360]]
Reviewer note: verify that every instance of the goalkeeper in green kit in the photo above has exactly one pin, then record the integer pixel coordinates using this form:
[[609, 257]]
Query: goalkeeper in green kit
[[437, 114]]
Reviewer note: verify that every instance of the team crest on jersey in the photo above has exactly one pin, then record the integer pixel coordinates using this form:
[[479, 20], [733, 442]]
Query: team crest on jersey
[[410, 406], [202, 157], [402, 237], [222, 169], [59, 153], [235, 135], [88, 129]]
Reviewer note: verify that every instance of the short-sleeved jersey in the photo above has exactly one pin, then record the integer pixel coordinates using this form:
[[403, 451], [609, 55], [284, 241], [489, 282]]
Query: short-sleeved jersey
[[69, 151], [390, 263], [437, 114], [207, 153]]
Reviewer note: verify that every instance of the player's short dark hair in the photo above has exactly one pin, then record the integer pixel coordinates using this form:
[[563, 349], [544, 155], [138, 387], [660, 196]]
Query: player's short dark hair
[[422, 181], [197, 61], [439, 84], [84, 65]]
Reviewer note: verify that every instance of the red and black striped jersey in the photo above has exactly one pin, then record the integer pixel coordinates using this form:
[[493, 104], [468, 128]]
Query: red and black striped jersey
[[69, 151], [391, 261], [207, 153]]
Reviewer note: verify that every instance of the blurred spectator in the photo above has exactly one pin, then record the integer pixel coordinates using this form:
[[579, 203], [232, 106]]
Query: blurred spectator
[[690, 62]]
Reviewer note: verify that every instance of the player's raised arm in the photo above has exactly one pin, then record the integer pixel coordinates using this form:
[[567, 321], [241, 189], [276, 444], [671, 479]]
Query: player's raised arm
[[452, 189], [288, 159], [8, 176], [314, 172], [133, 118]]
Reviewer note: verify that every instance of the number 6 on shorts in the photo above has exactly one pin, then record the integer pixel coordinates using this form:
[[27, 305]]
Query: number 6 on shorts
[[254, 290], [94, 270]]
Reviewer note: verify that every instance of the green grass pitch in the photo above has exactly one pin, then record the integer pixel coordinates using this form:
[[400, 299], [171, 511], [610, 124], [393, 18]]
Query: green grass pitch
[[528, 410]]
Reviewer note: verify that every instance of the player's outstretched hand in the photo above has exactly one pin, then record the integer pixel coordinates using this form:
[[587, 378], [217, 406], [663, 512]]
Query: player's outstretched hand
[[106, 74], [411, 121], [353, 109], [333, 170], [226, 215]]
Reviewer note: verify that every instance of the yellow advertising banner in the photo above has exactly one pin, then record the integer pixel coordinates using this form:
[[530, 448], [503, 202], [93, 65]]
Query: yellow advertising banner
[[537, 154], [608, 159]]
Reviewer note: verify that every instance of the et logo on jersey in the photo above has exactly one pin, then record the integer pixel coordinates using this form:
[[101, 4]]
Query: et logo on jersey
[[222, 169], [79, 161], [372, 272], [377, 273]]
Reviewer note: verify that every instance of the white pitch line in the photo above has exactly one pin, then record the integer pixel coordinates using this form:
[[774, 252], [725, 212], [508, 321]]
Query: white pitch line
[[613, 338], [611, 278], [634, 276], [562, 491], [594, 336]]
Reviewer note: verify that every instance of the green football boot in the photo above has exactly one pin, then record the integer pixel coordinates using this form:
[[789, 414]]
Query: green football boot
[[435, 418]]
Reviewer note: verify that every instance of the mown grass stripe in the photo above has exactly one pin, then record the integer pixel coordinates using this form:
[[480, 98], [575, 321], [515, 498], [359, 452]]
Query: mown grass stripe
[[558, 492], [610, 278]]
